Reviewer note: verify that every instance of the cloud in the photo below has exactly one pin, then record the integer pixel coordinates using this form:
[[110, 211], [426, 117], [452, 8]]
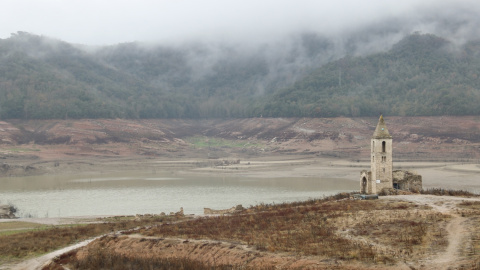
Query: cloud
[[101, 22]]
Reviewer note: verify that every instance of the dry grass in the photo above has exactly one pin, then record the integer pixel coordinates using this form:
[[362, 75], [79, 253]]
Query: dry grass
[[14, 227], [475, 205], [357, 232], [471, 248], [367, 231], [104, 259], [448, 192], [471, 210], [32, 242]]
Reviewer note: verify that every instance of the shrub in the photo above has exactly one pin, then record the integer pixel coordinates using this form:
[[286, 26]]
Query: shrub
[[448, 192], [13, 209]]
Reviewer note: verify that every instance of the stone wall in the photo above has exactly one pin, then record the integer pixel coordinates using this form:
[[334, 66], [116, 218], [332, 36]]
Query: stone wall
[[407, 180], [367, 185]]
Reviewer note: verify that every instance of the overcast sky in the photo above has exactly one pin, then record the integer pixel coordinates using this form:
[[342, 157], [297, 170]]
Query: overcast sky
[[104, 22]]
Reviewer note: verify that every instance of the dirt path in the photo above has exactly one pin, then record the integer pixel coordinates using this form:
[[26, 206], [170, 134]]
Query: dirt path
[[39, 262], [457, 232], [456, 236]]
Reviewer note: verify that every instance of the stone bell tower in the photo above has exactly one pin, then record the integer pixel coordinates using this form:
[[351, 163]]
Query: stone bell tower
[[381, 165]]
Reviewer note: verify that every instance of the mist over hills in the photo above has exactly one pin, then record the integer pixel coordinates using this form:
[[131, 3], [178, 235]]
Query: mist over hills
[[420, 75], [307, 74]]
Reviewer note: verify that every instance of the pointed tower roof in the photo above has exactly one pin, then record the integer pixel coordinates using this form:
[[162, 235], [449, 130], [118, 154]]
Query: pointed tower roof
[[381, 132]]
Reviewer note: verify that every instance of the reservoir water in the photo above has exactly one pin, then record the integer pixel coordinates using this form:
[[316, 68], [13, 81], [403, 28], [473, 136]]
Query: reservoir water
[[130, 193]]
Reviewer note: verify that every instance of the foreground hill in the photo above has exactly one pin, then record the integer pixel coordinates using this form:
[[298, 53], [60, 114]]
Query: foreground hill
[[421, 75], [338, 232]]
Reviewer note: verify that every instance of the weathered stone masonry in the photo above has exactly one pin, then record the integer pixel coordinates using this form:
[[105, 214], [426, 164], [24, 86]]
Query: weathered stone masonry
[[381, 175]]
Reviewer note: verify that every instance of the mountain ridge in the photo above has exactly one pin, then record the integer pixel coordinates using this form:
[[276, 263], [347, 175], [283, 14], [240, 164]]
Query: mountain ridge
[[423, 74]]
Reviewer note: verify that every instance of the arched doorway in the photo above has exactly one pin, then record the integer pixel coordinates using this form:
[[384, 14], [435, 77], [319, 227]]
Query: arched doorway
[[364, 185]]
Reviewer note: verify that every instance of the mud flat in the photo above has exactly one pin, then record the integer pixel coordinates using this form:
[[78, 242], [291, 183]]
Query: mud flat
[[451, 175]]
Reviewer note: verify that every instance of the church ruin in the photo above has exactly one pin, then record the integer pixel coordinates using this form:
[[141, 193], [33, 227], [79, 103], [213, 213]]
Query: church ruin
[[381, 175]]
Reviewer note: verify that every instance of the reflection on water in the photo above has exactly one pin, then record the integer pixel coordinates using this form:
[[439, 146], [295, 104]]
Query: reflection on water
[[140, 193]]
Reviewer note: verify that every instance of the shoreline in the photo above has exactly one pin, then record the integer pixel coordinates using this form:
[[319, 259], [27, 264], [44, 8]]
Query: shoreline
[[452, 175]]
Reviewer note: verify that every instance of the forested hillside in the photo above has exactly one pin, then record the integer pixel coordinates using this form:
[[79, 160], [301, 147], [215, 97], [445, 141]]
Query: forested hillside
[[42, 78], [420, 75], [45, 78]]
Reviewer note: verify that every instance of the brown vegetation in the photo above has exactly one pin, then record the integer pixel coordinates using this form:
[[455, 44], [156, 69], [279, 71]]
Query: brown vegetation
[[448, 192], [471, 209], [329, 230], [104, 259], [336, 232], [320, 228], [33, 242], [100, 258]]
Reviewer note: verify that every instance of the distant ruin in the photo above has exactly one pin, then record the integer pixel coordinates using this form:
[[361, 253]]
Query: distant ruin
[[381, 176], [7, 212], [407, 180], [209, 211]]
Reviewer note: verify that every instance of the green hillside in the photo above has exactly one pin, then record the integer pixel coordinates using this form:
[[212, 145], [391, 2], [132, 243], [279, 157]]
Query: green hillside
[[420, 75], [42, 78]]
